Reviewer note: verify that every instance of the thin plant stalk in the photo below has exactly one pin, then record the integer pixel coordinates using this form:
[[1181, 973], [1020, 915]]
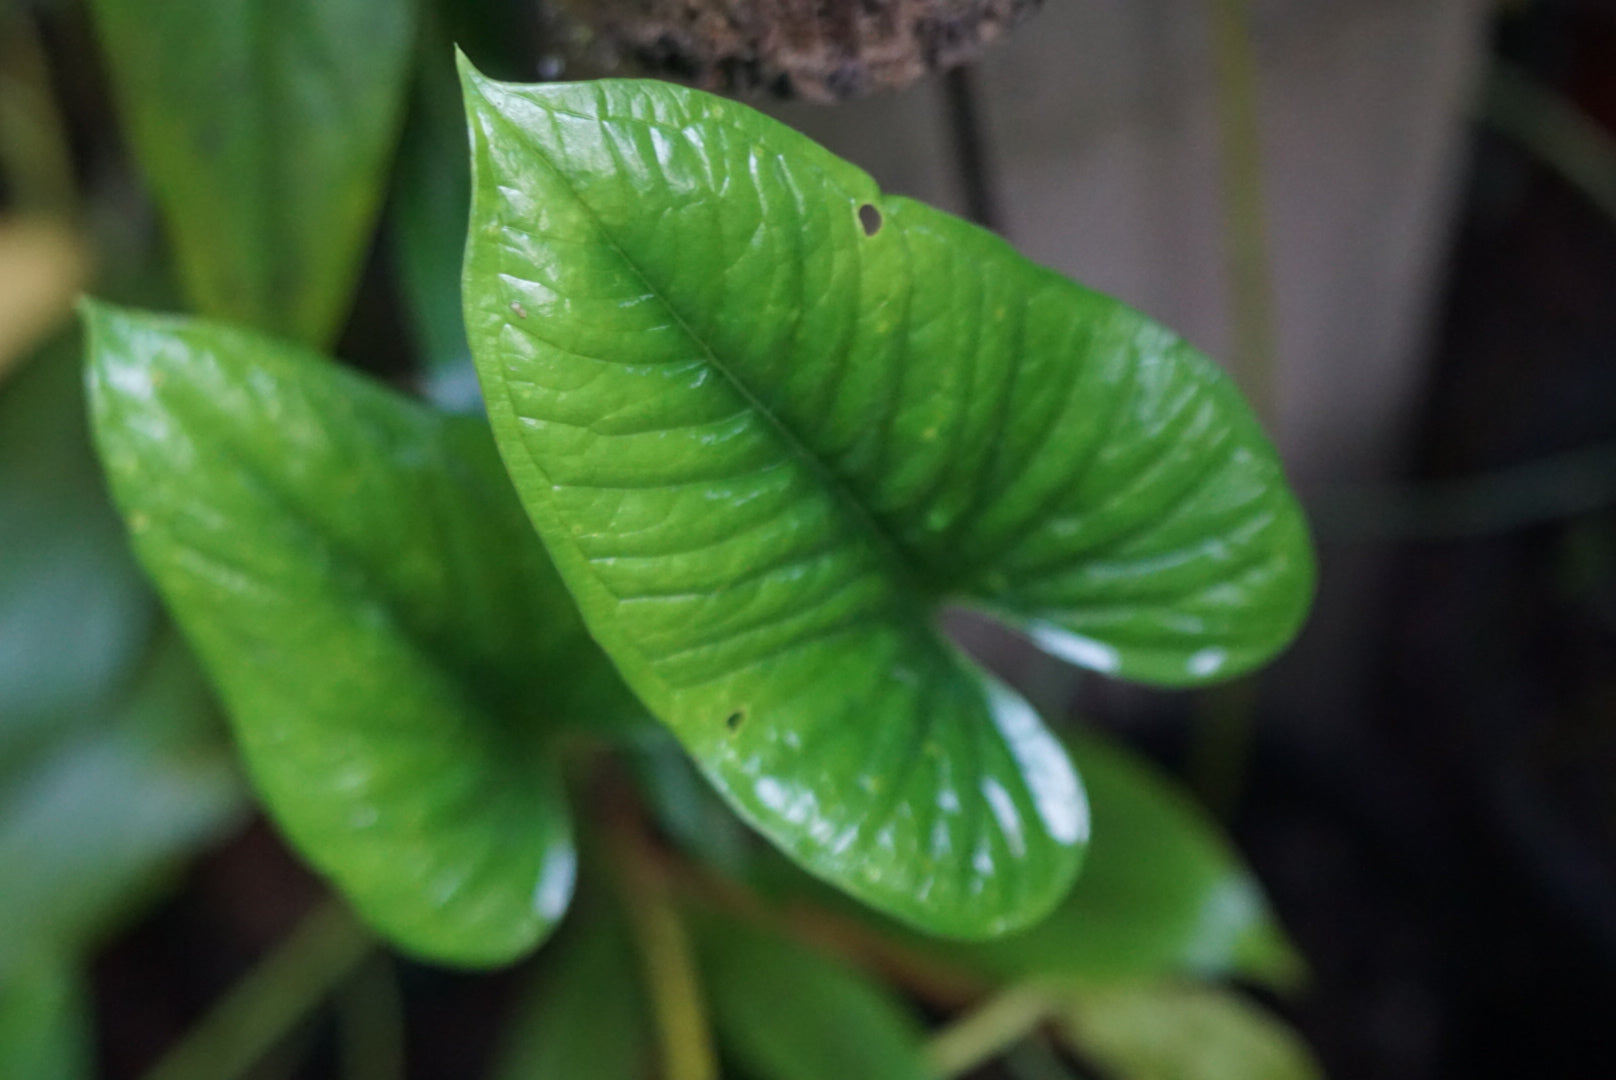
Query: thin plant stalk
[[370, 1022], [989, 1030], [1227, 723], [673, 984], [273, 998]]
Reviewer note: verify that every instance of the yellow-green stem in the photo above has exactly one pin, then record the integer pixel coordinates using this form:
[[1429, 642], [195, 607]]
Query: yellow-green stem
[[1244, 219], [673, 983], [989, 1030], [1227, 714], [273, 998]]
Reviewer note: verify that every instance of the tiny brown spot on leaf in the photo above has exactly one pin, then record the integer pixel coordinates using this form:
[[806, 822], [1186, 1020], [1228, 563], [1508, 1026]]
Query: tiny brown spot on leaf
[[735, 720]]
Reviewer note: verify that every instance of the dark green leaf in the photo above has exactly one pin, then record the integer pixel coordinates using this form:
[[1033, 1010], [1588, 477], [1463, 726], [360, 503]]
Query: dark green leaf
[[1184, 1032], [95, 820], [785, 1012], [44, 1024], [393, 646], [264, 128], [1162, 893], [73, 608], [586, 1018], [431, 195], [691, 815], [769, 421]]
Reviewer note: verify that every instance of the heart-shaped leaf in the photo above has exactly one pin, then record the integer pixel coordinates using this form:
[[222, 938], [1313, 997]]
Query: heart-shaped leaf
[[392, 644], [769, 421], [264, 128]]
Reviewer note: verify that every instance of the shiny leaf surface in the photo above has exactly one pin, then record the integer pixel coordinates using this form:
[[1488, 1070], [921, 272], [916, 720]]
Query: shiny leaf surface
[[391, 642], [770, 420], [264, 128], [1162, 892]]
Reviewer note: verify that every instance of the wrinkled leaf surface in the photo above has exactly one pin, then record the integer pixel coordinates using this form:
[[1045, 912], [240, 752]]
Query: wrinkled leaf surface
[[770, 420]]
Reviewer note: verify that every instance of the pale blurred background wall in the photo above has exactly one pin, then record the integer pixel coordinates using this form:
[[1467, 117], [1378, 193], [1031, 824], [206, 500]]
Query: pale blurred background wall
[[1101, 119]]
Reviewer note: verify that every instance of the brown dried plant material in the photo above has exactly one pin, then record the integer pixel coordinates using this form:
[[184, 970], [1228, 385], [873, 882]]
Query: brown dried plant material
[[820, 50]]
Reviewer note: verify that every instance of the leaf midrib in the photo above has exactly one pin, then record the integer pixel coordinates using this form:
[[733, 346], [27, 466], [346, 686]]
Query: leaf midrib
[[890, 552]]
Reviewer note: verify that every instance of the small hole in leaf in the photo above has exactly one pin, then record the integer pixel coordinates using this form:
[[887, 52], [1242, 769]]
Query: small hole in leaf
[[870, 218], [735, 720]]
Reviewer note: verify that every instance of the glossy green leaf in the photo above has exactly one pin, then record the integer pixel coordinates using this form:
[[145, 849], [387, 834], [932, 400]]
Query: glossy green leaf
[[785, 1012], [770, 420], [586, 1018], [44, 1024], [392, 644], [1162, 892], [264, 128], [1184, 1032]]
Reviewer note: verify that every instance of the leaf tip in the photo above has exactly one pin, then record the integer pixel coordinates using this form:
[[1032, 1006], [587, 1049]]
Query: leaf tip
[[109, 328], [95, 313], [472, 81], [103, 323]]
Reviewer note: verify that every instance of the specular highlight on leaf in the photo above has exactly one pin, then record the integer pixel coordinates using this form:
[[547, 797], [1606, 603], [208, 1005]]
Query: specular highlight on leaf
[[765, 444], [395, 651]]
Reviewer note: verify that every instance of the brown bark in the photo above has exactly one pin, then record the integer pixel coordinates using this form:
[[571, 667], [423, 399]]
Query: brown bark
[[821, 50]]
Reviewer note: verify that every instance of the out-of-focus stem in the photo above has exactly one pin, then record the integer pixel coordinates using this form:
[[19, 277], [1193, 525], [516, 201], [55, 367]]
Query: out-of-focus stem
[[672, 982], [271, 1000], [1228, 718], [1244, 219], [977, 182], [370, 1022], [990, 1030], [1553, 130]]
